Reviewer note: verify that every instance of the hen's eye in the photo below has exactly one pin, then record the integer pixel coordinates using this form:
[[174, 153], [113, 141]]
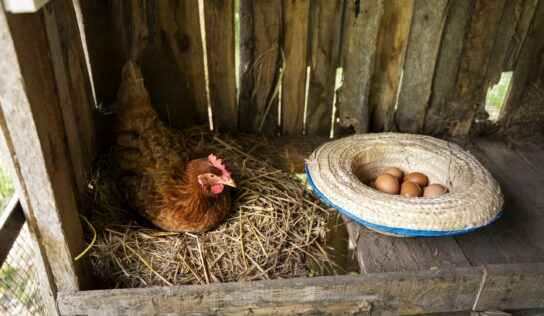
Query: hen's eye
[[212, 175]]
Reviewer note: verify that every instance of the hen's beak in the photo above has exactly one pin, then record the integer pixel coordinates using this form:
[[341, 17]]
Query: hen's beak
[[229, 182]]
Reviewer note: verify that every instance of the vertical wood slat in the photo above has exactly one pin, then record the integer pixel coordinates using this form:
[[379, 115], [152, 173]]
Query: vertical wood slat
[[295, 41], [472, 83], [32, 121], [324, 60], [219, 25], [528, 8], [73, 86], [361, 25], [260, 25], [524, 102], [164, 38], [390, 52], [438, 116], [421, 54]]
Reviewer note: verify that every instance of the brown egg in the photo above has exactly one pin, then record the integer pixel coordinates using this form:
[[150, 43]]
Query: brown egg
[[387, 183], [433, 190], [416, 177], [395, 172], [411, 189]]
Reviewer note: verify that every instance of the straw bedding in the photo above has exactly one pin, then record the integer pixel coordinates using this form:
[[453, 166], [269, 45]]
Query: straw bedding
[[274, 230]]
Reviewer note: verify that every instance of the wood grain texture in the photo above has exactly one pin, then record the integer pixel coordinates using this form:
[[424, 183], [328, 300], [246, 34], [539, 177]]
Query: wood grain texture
[[515, 286], [523, 107], [326, 26], [73, 88], [33, 120], [391, 293], [260, 24], [164, 38], [419, 67], [527, 10], [295, 45], [219, 25], [468, 96], [379, 253], [11, 222], [390, 52], [361, 27]]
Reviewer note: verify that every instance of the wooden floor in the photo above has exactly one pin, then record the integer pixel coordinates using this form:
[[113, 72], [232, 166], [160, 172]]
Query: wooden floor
[[517, 237]]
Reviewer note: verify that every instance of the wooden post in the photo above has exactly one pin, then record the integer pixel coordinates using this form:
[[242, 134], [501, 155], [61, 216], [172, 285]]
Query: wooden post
[[219, 26], [361, 27], [31, 118], [260, 58]]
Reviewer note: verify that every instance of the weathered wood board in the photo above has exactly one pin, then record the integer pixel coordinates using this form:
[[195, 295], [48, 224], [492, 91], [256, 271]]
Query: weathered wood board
[[219, 28], [260, 60], [390, 52], [11, 222], [419, 67], [326, 35], [33, 123], [295, 51], [361, 28]]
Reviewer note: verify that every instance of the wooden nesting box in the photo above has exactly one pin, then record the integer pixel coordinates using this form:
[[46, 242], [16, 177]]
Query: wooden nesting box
[[418, 66]]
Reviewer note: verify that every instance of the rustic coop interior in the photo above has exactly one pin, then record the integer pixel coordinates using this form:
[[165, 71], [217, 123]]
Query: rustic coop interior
[[266, 82]]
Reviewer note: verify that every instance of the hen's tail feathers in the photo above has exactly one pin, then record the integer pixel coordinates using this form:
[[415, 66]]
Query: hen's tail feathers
[[132, 97]]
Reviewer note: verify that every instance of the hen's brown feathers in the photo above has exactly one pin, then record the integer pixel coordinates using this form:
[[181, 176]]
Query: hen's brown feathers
[[156, 179]]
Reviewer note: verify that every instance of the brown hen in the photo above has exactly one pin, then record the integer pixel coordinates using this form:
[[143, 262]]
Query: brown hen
[[155, 179]]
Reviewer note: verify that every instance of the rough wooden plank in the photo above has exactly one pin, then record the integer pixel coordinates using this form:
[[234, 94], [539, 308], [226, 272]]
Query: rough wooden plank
[[527, 8], [468, 95], [45, 277], [324, 61], [437, 118], [419, 67], [394, 293], [295, 46], [379, 253], [11, 222], [219, 25], [515, 286], [260, 23], [33, 121], [390, 52], [361, 27], [73, 87], [507, 27], [523, 107]]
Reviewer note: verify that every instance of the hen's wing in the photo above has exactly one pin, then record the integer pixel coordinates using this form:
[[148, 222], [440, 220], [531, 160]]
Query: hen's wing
[[147, 151]]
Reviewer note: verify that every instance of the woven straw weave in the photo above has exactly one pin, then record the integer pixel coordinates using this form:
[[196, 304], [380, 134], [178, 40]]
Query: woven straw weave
[[340, 169]]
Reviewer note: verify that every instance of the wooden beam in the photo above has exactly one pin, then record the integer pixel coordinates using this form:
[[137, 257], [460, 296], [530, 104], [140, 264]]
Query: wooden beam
[[419, 67], [395, 293], [219, 25], [326, 26], [73, 87], [295, 47], [361, 27], [260, 59], [390, 52], [11, 222], [32, 119]]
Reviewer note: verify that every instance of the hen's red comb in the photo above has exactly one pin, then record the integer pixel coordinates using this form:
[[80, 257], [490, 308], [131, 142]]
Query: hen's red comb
[[218, 163]]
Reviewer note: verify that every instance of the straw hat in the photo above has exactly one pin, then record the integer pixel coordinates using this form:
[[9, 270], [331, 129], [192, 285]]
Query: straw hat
[[338, 171]]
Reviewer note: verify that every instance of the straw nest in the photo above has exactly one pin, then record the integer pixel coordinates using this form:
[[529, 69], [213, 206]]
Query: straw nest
[[340, 169], [274, 230]]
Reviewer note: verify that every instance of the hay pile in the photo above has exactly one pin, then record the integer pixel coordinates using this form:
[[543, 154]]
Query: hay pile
[[273, 231]]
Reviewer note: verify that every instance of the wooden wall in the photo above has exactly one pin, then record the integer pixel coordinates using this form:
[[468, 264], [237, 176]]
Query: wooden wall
[[418, 66]]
